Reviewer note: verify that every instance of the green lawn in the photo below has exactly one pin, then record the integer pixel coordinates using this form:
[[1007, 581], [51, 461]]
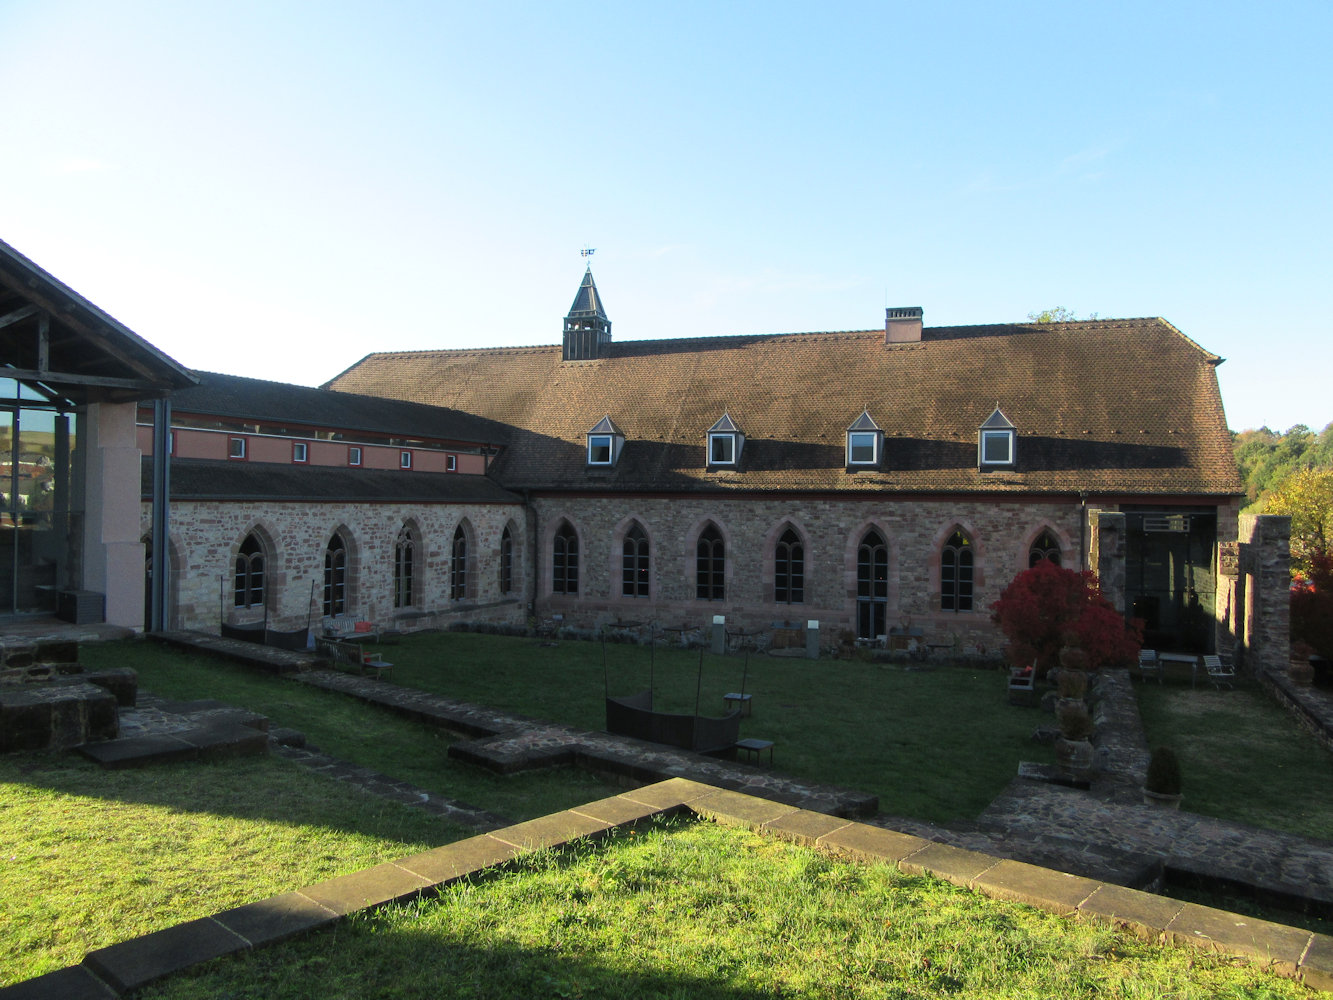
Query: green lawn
[[1242, 757], [932, 744], [350, 730], [92, 857], [693, 910]]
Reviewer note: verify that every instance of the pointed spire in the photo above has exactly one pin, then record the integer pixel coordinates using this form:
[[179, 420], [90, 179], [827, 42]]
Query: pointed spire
[[587, 327]]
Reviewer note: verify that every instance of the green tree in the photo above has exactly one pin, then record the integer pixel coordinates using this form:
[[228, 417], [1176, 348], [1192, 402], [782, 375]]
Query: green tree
[[1307, 496], [1057, 315]]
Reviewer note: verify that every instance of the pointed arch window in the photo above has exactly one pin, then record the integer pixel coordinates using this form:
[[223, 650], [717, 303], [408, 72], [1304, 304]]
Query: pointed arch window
[[458, 566], [635, 563], [565, 561], [1045, 547], [404, 569], [710, 565], [956, 565], [335, 577], [872, 586], [789, 569], [249, 585], [506, 562]]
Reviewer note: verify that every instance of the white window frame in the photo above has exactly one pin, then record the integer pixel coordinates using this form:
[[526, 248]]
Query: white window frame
[[713, 439], [997, 435], [236, 448], [450, 463], [854, 441], [353, 455], [300, 452], [597, 442], [404, 460]]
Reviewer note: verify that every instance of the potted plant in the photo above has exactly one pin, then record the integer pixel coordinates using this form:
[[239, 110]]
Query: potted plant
[[1161, 787]]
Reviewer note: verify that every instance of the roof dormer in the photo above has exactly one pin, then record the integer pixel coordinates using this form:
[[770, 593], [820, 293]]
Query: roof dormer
[[865, 443], [725, 442], [605, 441], [997, 442]]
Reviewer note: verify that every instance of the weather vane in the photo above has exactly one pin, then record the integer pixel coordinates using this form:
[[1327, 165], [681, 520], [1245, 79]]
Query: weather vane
[[588, 252]]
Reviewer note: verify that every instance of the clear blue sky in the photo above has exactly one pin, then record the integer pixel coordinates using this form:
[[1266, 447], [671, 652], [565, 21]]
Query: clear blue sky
[[275, 189]]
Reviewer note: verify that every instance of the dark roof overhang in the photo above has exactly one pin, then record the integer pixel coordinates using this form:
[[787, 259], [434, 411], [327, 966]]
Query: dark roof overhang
[[61, 345]]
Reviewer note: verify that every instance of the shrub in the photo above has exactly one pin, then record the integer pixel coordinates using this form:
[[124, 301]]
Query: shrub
[[1043, 603], [1075, 722], [1312, 606], [1163, 772]]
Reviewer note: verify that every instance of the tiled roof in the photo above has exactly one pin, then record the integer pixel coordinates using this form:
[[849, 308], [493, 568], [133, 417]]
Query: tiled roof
[[1107, 406], [193, 479], [281, 403]]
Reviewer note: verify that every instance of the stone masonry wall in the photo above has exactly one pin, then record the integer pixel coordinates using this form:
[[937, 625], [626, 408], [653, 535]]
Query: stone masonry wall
[[831, 529], [206, 537]]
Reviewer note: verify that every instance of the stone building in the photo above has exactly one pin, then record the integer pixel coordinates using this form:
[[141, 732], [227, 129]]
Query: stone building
[[882, 480]]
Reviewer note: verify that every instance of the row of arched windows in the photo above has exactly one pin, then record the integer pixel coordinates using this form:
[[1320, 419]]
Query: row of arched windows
[[957, 566], [249, 590]]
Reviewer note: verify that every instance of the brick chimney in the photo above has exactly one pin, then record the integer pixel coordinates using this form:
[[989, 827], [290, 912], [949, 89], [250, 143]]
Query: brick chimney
[[902, 325]]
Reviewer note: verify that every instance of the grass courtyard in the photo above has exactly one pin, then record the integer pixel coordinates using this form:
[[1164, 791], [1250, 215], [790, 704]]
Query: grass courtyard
[[103, 856]]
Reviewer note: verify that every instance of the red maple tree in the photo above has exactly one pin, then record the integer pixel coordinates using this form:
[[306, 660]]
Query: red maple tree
[[1043, 603]]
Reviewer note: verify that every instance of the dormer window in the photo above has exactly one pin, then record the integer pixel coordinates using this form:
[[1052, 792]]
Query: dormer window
[[997, 443], [725, 442], [865, 443], [605, 442]]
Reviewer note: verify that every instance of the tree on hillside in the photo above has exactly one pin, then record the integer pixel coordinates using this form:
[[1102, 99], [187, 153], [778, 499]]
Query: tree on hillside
[[1307, 496], [1265, 459]]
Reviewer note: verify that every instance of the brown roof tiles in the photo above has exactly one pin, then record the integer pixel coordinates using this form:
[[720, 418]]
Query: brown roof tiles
[[1108, 406]]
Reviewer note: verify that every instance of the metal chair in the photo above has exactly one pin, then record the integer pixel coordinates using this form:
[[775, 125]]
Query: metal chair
[[1150, 665], [1217, 673]]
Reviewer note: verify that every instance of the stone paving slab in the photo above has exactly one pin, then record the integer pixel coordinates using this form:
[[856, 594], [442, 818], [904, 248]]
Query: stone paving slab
[[275, 919], [1275, 946], [1024, 883], [368, 888], [136, 963], [460, 859], [551, 831], [1144, 914], [72, 983]]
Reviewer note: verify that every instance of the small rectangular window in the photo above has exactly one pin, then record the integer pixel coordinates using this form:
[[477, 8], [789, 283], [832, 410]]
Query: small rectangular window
[[450, 463], [404, 460], [997, 448], [599, 449], [236, 449], [721, 449], [354, 456], [862, 448], [300, 451]]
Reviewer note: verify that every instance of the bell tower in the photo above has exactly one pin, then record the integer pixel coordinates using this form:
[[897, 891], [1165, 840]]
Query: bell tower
[[586, 327]]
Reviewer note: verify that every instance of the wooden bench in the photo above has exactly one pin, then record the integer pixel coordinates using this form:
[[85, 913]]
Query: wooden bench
[[348, 654], [1023, 685]]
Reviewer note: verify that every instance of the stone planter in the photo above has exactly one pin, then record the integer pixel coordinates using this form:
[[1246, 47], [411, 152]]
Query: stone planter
[[1161, 800], [1074, 758]]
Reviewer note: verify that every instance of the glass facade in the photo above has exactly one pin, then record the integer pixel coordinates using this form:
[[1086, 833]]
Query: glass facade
[[40, 524]]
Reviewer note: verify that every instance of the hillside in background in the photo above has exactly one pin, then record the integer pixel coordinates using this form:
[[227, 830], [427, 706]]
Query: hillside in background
[[1266, 459]]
